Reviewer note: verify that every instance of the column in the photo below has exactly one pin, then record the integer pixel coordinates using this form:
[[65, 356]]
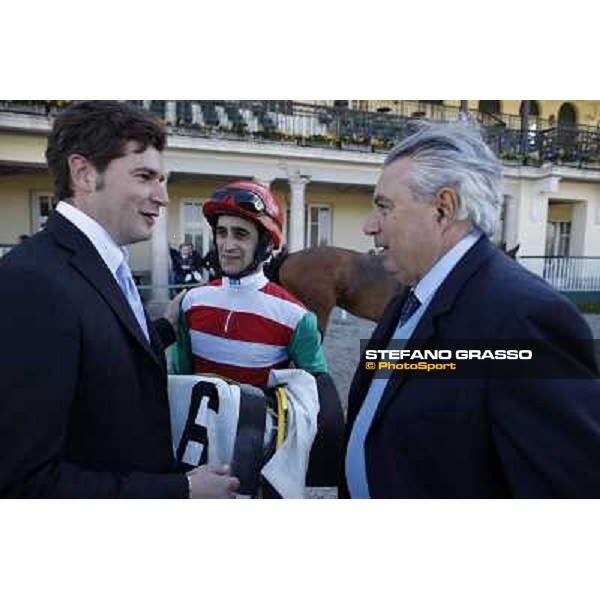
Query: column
[[515, 223], [171, 111], [525, 105], [541, 194], [160, 258], [509, 233], [297, 211]]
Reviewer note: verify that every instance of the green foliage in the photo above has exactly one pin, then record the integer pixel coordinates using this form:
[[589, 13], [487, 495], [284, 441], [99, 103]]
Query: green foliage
[[589, 307]]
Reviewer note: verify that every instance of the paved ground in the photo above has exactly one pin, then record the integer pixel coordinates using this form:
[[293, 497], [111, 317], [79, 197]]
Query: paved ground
[[342, 347], [594, 323]]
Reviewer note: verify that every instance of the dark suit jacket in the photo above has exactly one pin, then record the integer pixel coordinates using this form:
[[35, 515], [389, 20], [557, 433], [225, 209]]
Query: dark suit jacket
[[83, 396], [487, 437]]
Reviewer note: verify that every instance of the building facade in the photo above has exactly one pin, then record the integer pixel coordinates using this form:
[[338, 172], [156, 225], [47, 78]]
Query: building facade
[[323, 159]]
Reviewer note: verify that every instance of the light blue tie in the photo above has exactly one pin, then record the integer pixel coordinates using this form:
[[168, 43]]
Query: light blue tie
[[133, 297]]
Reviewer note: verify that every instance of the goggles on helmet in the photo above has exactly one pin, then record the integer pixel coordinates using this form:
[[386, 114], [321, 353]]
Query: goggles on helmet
[[245, 199]]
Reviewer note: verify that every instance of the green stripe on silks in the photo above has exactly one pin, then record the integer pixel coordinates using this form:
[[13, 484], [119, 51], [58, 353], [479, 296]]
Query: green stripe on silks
[[181, 351]]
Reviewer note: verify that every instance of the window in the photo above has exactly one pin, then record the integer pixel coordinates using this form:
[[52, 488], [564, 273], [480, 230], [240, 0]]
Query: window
[[532, 123], [360, 104], [193, 226], [318, 225], [558, 238], [567, 133], [491, 107], [534, 108], [567, 116], [42, 204]]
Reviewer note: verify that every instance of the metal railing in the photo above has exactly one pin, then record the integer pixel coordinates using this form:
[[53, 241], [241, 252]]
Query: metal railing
[[378, 130], [566, 273], [44, 108], [576, 146]]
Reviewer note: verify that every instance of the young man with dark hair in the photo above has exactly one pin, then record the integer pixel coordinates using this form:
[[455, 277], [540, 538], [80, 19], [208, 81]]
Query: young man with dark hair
[[83, 383]]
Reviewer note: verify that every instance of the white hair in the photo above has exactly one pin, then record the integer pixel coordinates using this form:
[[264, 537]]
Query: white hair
[[454, 155]]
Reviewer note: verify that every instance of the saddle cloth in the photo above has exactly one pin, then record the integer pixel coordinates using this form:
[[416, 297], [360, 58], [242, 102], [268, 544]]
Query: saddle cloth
[[215, 422]]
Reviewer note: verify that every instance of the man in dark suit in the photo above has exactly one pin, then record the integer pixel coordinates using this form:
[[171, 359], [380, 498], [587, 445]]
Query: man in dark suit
[[435, 204], [83, 383]]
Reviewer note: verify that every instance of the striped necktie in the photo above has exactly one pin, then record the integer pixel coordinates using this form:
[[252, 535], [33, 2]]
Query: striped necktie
[[410, 306], [133, 297]]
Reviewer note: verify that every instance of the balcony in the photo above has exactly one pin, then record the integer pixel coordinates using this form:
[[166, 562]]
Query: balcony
[[373, 131]]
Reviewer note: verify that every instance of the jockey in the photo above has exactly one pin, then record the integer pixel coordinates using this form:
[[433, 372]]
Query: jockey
[[242, 325]]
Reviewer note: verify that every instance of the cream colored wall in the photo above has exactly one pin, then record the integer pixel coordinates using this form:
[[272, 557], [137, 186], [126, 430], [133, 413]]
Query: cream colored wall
[[24, 149], [586, 111], [587, 207], [197, 189], [15, 206], [532, 218], [586, 219], [583, 209], [577, 190], [579, 229], [562, 211], [350, 205], [589, 111]]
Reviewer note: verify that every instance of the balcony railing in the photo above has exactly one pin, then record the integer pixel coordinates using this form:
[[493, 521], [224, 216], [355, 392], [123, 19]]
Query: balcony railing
[[566, 273], [295, 123], [45, 108]]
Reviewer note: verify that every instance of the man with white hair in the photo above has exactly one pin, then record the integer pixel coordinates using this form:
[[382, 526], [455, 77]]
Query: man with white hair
[[436, 203]]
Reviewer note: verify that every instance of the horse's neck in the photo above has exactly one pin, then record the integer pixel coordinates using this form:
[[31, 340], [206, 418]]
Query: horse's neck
[[367, 270], [367, 287]]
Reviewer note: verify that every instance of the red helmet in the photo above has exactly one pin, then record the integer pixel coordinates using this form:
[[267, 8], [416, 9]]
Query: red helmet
[[250, 201]]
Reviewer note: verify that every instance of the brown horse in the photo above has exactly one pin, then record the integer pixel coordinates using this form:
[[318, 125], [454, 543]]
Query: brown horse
[[327, 276]]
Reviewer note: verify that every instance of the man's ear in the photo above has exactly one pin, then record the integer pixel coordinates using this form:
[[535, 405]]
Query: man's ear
[[83, 175], [445, 204]]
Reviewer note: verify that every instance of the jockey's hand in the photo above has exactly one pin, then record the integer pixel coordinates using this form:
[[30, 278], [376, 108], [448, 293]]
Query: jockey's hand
[[212, 482], [172, 311]]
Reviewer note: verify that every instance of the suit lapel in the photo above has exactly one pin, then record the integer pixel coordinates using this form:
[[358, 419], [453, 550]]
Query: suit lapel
[[379, 340], [86, 260], [442, 302]]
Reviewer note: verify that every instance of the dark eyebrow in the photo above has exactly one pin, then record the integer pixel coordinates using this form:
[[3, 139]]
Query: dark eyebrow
[[151, 172], [236, 229]]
